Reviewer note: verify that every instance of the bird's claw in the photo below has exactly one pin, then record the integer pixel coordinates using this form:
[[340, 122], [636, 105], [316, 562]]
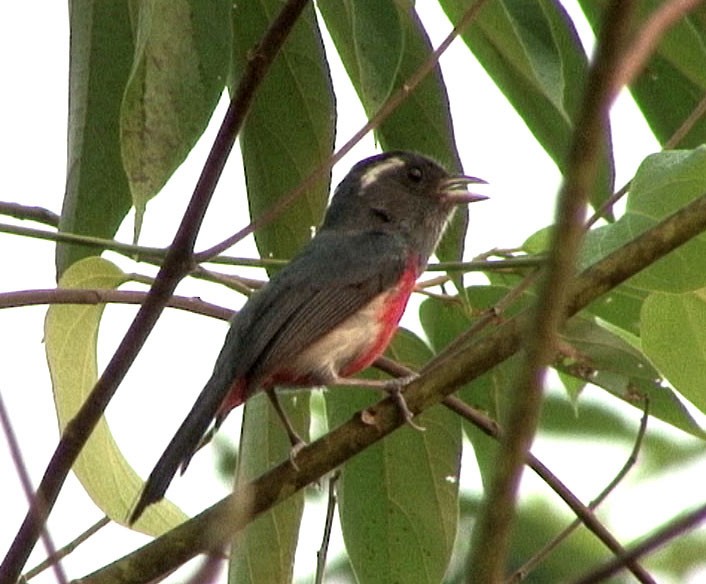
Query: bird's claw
[[394, 388], [297, 446]]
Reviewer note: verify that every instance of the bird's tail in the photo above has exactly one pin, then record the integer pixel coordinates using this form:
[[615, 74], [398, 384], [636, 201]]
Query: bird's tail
[[185, 442]]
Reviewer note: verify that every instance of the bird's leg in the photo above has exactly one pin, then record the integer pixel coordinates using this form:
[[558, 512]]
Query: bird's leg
[[391, 386], [294, 438]]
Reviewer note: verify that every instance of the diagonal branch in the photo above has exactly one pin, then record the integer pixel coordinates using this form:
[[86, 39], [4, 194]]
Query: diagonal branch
[[177, 264], [675, 528], [449, 371], [491, 537]]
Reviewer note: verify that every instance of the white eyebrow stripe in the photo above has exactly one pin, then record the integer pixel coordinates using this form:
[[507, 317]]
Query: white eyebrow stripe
[[372, 174]]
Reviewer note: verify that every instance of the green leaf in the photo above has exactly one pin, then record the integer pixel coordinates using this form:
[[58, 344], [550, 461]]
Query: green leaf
[[672, 84], [378, 43], [398, 499], [71, 333], [663, 184], [674, 337], [534, 55], [97, 196], [264, 550], [422, 122], [290, 129], [621, 307], [181, 61], [608, 361]]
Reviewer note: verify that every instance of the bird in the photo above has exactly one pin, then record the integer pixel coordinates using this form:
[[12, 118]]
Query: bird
[[334, 308]]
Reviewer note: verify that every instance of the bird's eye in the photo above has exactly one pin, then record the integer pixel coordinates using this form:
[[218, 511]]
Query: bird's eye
[[415, 174]]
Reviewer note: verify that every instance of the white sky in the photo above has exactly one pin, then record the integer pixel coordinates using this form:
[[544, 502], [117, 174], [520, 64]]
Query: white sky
[[494, 144]]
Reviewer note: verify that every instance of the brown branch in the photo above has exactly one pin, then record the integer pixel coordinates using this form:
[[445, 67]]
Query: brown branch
[[441, 377], [102, 296], [177, 264], [491, 536]]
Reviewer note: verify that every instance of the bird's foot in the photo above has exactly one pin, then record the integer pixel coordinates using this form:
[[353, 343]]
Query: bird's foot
[[394, 388], [297, 445]]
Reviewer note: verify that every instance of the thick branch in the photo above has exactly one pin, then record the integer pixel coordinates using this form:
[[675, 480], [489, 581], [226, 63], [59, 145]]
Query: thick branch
[[445, 374]]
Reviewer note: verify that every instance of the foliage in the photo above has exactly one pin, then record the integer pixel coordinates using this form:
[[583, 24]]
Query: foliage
[[404, 511]]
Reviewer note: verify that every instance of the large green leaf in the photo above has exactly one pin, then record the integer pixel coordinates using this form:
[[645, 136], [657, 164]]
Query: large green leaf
[[290, 129], [97, 196], [621, 307], [664, 183], [70, 334], [422, 122], [674, 81], [533, 53], [398, 499], [181, 62], [606, 360], [674, 336]]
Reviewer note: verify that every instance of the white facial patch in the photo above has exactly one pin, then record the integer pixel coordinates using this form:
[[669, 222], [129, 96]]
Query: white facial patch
[[377, 170]]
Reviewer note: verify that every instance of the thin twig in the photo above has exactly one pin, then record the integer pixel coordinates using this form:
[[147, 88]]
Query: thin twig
[[140, 252], [67, 549], [542, 554], [607, 205], [328, 527], [675, 528], [675, 139], [491, 536], [178, 262], [26, 482], [103, 296], [38, 214], [681, 132], [534, 261], [156, 255]]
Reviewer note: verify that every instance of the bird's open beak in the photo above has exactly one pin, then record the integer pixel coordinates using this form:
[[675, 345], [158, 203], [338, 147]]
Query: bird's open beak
[[455, 190]]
